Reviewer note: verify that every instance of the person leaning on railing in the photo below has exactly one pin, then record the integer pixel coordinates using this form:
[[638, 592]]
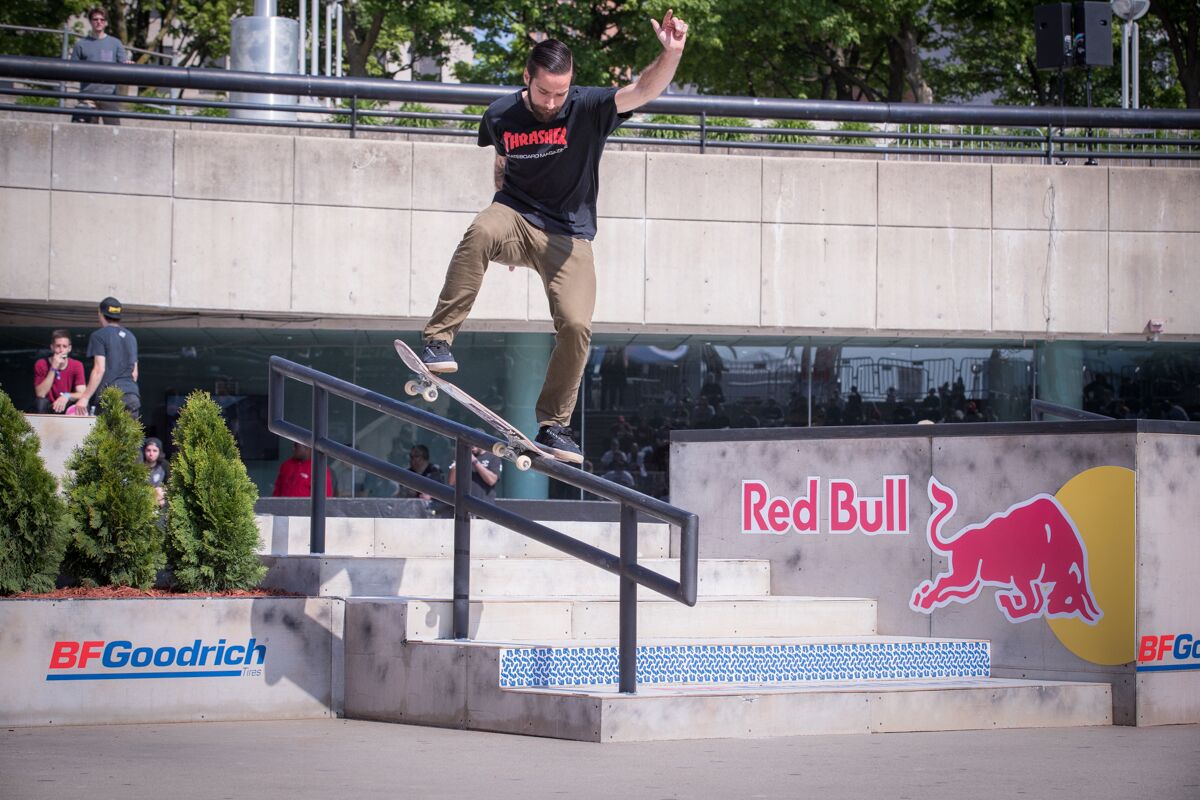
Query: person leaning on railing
[[98, 46]]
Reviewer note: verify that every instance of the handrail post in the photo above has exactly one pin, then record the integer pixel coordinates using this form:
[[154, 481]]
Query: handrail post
[[66, 54], [320, 427], [627, 646], [703, 130], [353, 116], [462, 540]]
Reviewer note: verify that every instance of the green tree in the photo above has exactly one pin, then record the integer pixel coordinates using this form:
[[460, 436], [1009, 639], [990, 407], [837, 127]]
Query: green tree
[[1180, 22], [383, 37], [36, 14], [212, 538], [116, 540], [34, 526]]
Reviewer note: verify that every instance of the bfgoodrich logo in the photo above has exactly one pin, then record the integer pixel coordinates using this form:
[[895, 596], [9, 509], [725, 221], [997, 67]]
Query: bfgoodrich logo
[[120, 659]]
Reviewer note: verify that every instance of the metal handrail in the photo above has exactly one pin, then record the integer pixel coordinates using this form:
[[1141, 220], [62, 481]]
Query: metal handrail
[[624, 564], [1040, 409], [465, 93]]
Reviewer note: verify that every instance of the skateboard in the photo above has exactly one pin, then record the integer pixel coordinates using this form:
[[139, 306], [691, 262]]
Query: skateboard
[[517, 447]]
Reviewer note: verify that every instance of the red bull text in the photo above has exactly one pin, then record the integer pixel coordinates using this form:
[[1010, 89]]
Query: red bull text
[[1032, 553], [1168, 653], [849, 510], [120, 659]]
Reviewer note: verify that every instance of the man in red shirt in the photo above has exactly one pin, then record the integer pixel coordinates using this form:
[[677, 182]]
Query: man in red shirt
[[58, 378], [295, 475]]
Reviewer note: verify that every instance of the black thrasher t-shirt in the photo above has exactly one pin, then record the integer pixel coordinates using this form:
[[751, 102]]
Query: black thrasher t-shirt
[[552, 174]]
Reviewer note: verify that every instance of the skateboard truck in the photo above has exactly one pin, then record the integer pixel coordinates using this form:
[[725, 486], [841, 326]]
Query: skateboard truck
[[510, 451], [425, 388]]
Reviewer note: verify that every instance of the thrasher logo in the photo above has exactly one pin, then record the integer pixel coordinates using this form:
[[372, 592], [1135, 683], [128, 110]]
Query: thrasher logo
[[515, 141]]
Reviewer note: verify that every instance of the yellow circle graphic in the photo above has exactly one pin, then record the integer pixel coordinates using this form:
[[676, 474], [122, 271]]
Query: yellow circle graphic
[[1100, 502]]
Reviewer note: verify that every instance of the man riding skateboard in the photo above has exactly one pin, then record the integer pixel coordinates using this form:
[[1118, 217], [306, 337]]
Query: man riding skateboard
[[548, 139]]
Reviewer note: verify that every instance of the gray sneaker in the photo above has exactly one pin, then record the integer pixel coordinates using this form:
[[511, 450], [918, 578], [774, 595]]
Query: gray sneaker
[[437, 356], [556, 440]]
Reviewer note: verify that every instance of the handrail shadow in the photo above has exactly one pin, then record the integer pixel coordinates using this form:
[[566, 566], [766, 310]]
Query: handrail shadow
[[464, 504]]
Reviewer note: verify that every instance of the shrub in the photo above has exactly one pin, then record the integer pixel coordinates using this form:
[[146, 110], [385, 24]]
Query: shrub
[[116, 540], [471, 124], [791, 125], [367, 118], [34, 526], [669, 119], [854, 126], [212, 538], [727, 122]]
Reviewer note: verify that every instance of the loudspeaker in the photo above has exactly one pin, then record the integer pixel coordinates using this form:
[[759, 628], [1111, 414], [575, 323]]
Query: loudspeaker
[[1093, 34], [1052, 34]]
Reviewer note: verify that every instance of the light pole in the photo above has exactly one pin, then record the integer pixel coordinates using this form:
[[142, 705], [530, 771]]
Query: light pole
[[1130, 11]]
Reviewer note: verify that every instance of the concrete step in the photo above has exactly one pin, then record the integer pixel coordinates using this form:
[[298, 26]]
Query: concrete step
[[597, 619], [434, 538], [456, 684], [348, 576], [744, 660]]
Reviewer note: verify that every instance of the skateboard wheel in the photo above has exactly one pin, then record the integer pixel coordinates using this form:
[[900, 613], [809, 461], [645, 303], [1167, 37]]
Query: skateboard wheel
[[429, 394], [412, 388], [524, 463], [500, 450]]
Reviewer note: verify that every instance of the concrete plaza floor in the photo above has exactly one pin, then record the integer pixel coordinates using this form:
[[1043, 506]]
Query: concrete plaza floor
[[303, 760]]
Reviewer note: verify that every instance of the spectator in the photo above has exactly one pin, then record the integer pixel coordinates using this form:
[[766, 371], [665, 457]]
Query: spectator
[[113, 350], [418, 462], [99, 47], [619, 472], [295, 475], [485, 473], [56, 377], [152, 454]]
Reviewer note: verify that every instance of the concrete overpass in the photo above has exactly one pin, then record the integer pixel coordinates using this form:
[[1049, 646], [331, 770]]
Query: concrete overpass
[[334, 232]]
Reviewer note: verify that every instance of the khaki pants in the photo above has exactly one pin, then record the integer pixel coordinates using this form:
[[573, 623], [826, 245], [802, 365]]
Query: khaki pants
[[568, 274]]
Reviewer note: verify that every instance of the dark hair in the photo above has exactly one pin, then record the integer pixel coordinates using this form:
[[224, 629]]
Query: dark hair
[[60, 333], [94, 10], [422, 450], [552, 56]]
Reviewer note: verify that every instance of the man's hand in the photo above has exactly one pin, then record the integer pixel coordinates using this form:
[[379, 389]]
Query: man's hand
[[672, 33], [60, 403]]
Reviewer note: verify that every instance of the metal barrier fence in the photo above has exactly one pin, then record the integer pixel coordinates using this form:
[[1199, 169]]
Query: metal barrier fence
[[459, 497], [1048, 134]]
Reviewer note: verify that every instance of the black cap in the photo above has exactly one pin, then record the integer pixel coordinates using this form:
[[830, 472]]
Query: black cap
[[152, 440], [110, 307]]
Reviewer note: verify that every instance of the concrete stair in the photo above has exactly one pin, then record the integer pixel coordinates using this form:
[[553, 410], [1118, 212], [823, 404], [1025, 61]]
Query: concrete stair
[[541, 657]]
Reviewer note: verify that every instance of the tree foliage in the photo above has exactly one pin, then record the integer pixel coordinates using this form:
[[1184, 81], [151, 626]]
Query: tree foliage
[[212, 538], [34, 526], [116, 540], [883, 50], [36, 14]]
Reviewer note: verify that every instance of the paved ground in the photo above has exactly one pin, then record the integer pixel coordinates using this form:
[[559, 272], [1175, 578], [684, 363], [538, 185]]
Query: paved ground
[[306, 760]]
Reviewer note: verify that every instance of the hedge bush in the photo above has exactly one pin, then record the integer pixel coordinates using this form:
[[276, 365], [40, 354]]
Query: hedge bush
[[34, 526], [212, 538]]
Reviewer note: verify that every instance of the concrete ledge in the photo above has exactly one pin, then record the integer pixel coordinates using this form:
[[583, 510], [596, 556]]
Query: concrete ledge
[[169, 660]]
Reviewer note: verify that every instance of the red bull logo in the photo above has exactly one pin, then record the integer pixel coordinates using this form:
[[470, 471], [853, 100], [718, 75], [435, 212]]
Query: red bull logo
[[1032, 553]]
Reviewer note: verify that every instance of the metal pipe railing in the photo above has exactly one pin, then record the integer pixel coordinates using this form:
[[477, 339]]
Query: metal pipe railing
[[624, 565], [463, 94]]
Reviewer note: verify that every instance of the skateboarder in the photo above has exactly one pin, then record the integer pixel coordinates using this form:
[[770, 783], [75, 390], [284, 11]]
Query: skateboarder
[[548, 138]]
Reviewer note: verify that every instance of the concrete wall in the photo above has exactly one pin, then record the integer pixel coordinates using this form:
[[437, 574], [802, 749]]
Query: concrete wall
[[992, 469], [300, 674], [241, 222]]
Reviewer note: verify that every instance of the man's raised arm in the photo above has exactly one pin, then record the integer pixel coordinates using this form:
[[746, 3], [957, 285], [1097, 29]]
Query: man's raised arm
[[655, 78]]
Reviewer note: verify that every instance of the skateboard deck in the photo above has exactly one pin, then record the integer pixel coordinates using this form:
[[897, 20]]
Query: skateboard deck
[[519, 448]]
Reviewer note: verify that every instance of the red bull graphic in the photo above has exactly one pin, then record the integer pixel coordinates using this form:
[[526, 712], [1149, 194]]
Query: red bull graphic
[[1032, 553], [850, 511]]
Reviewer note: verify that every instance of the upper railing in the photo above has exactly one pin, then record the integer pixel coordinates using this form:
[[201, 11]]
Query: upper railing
[[459, 497], [1046, 133]]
